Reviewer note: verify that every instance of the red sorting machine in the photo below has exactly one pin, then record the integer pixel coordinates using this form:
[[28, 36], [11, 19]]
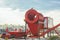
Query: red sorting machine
[[35, 21]]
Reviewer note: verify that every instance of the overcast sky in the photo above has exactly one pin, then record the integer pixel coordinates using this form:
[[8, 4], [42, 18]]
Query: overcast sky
[[13, 11]]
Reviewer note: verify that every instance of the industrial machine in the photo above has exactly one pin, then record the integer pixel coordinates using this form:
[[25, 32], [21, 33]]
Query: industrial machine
[[38, 25], [10, 33]]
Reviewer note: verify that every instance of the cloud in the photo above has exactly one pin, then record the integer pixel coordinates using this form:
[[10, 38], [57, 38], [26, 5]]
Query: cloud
[[55, 2], [55, 14], [10, 16], [1, 1], [25, 4], [11, 12]]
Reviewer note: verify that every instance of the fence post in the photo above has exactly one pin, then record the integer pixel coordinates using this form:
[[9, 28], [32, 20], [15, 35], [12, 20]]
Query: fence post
[[0, 36]]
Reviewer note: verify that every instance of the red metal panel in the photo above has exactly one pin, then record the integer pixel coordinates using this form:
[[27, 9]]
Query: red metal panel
[[32, 17]]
